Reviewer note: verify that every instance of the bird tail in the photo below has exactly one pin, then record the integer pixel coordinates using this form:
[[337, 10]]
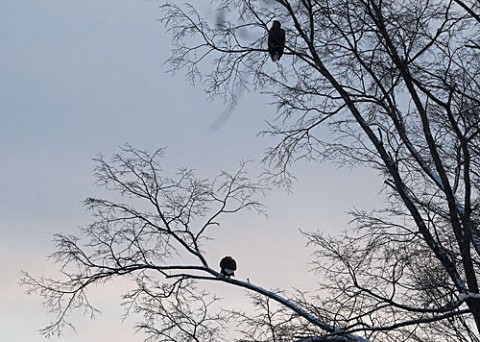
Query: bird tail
[[275, 56]]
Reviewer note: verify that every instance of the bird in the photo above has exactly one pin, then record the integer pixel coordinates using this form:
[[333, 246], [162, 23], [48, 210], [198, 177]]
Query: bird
[[276, 41], [228, 266]]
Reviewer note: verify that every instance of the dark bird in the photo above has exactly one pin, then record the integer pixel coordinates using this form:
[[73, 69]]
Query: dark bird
[[228, 266], [276, 41]]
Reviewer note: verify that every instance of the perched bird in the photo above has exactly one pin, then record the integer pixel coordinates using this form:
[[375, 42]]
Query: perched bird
[[228, 266], [276, 41]]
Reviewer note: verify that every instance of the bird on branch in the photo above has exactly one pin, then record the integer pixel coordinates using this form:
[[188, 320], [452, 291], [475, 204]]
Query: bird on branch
[[228, 266], [276, 41]]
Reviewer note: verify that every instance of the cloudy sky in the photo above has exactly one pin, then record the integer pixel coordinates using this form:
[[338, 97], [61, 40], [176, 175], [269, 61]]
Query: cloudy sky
[[78, 78]]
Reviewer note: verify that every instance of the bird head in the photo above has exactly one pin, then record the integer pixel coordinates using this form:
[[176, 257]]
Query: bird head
[[276, 24]]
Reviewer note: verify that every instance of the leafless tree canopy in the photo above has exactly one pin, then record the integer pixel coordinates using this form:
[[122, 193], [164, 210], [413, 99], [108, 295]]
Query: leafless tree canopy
[[388, 84], [155, 229]]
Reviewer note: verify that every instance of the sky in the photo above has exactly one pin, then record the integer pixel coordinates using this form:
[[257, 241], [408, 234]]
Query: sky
[[79, 78]]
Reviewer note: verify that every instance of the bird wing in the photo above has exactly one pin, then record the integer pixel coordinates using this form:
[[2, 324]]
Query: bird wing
[[270, 39]]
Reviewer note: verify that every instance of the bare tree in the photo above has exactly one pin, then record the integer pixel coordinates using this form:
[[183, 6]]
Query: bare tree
[[392, 85], [153, 233], [162, 219], [388, 84]]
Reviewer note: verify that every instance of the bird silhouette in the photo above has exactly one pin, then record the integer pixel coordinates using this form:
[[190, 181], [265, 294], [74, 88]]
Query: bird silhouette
[[228, 266], [276, 41]]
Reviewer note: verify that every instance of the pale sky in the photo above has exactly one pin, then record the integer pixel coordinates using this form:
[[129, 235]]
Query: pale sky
[[78, 78]]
